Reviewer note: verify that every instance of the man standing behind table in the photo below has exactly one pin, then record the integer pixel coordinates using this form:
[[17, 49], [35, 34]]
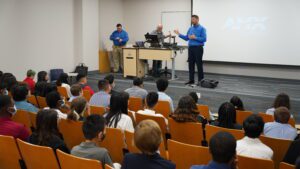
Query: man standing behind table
[[119, 38], [196, 36], [161, 37]]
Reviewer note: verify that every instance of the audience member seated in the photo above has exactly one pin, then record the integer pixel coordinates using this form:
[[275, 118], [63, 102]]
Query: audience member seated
[[111, 80], [1, 74], [237, 103], [117, 117], [137, 90], [293, 153], [19, 94], [46, 133], [227, 117], [281, 100], [30, 80], [101, 98], [63, 82], [94, 132], [42, 81], [79, 107], [196, 99], [76, 92], [7, 126], [147, 138], [250, 145], [187, 111], [7, 81], [151, 101], [82, 81], [162, 85], [55, 102], [280, 128], [222, 147]]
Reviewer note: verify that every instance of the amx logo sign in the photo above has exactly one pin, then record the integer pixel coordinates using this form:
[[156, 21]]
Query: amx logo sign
[[246, 23]]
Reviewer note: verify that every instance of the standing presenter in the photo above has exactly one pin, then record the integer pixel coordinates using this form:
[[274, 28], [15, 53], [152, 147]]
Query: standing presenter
[[196, 36]]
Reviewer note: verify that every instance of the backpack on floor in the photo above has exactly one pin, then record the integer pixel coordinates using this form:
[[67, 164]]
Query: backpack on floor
[[208, 83]]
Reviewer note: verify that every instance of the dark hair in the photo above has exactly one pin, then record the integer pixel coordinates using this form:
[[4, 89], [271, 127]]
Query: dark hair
[[162, 84], [50, 87], [75, 90], [195, 16], [186, 110], [103, 84], [253, 126], [151, 99], [118, 106], [5, 102], [63, 78], [227, 115], [80, 76], [92, 126], [46, 126], [282, 100], [19, 92], [30, 73], [110, 78], [7, 81], [282, 115], [137, 81], [222, 147], [297, 163], [52, 99], [1, 74], [41, 77], [194, 96], [237, 103], [119, 25]]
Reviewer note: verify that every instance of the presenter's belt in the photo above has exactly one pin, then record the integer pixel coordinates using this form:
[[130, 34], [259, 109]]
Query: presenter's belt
[[201, 46], [120, 46]]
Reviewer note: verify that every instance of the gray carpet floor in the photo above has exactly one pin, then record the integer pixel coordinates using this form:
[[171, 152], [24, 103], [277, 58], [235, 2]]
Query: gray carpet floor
[[257, 93]]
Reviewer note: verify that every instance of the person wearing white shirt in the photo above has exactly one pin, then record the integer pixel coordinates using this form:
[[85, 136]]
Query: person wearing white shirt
[[63, 82], [280, 128], [54, 101], [117, 116], [250, 145], [162, 85], [281, 100]]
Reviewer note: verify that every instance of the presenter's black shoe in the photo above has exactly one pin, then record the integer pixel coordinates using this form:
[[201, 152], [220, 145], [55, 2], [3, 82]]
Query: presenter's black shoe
[[189, 82]]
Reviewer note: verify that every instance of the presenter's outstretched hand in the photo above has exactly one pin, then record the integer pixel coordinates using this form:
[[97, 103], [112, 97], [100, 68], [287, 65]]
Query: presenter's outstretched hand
[[176, 31], [192, 37], [120, 40]]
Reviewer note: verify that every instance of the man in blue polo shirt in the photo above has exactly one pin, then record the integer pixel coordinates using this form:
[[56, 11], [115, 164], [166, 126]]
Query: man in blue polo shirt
[[119, 38], [196, 36]]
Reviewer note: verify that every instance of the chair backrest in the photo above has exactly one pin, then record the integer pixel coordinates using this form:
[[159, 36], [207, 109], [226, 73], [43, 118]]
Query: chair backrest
[[286, 166], [131, 114], [279, 147], [72, 132], [212, 130], [108, 167], [186, 155], [203, 111], [97, 110], [32, 117], [22, 117], [87, 95], [42, 102], [159, 120], [190, 133], [32, 155], [163, 107], [135, 104], [270, 118], [32, 99], [62, 91], [242, 115], [68, 161], [250, 163], [9, 153], [114, 142]]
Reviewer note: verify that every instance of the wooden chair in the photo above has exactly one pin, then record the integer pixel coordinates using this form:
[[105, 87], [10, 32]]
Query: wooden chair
[[42, 102], [279, 147], [32, 99], [22, 117], [108, 167], [9, 153], [204, 111], [32, 117], [163, 107], [87, 95], [212, 130], [33, 155], [72, 132], [242, 115], [286, 166], [185, 155], [270, 118], [63, 92], [68, 161], [131, 114], [114, 142], [97, 110], [135, 104], [250, 163], [189, 133]]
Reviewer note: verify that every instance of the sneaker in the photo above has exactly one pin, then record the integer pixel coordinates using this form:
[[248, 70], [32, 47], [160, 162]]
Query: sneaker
[[189, 82]]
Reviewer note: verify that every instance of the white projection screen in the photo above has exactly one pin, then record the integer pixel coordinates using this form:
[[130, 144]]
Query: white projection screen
[[251, 31]]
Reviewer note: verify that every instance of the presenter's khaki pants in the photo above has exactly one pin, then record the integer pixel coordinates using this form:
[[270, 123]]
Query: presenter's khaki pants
[[117, 57]]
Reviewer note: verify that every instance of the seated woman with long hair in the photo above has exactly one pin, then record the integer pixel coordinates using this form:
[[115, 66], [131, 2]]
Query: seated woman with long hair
[[46, 133], [79, 106]]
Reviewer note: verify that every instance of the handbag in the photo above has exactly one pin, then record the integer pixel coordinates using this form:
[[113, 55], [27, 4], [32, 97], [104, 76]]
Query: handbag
[[208, 83], [81, 68]]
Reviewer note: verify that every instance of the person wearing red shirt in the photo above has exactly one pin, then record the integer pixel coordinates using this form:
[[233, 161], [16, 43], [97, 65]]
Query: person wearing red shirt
[[30, 80], [7, 126], [82, 81]]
